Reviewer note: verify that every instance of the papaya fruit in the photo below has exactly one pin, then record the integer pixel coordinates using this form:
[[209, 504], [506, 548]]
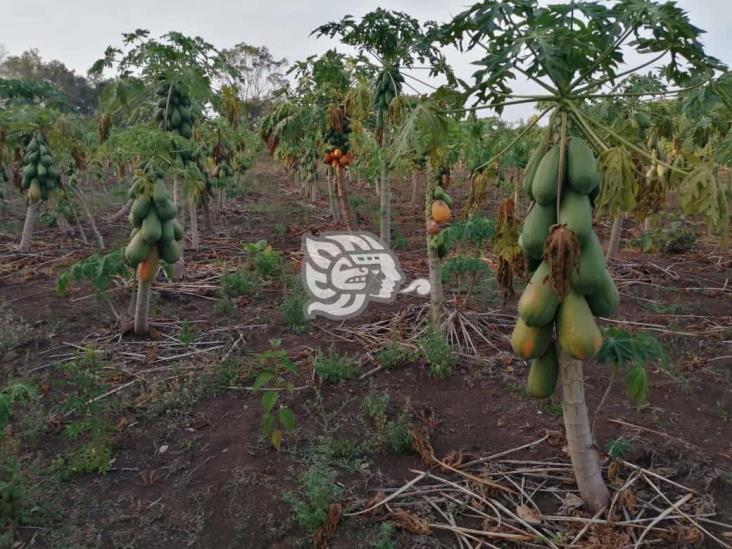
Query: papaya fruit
[[169, 251], [543, 374], [151, 227], [160, 193], [536, 229], [175, 118], [136, 250], [166, 210], [528, 342], [29, 171], [40, 170], [544, 185], [34, 156], [576, 212], [140, 208], [178, 231], [186, 130], [46, 160], [167, 231], [148, 268], [52, 172], [440, 212], [591, 273], [538, 304], [35, 192], [440, 194], [530, 171], [577, 331], [582, 175], [604, 302]]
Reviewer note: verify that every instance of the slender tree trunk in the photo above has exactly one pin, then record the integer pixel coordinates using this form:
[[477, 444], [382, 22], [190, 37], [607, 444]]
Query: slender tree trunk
[[89, 216], [142, 308], [585, 459], [614, 242], [314, 190], [123, 211], [433, 262], [207, 213], [195, 238], [413, 202], [647, 224], [176, 191], [30, 218], [179, 268], [335, 212], [343, 197], [385, 220]]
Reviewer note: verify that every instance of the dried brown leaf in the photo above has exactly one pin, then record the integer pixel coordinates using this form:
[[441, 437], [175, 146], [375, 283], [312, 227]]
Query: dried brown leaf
[[529, 514], [411, 522]]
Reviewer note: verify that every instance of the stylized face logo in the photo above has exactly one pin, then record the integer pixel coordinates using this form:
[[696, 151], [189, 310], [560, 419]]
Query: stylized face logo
[[342, 272]]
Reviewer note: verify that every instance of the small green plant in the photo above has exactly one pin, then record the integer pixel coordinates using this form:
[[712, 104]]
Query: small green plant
[[332, 367], [265, 260], [186, 336], [91, 457], [239, 283], [672, 238], [722, 413], [383, 540], [293, 313], [616, 447], [318, 490], [13, 393], [376, 405], [225, 305], [12, 497], [273, 366], [398, 241], [437, 354], [398, 430], [552, 407], [98, 270], [395, 354]]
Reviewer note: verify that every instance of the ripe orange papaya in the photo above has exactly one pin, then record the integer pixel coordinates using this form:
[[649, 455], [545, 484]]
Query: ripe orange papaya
[[538, 304], [543, 374], [528, 342], [148, 268], [577, 331], [440, 211]]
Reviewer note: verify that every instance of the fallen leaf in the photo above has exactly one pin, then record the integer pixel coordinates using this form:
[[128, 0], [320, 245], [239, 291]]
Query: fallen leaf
[[530, 515]]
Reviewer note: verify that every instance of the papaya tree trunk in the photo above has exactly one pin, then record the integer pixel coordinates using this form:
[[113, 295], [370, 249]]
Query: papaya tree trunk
[[142, 308], [207, 213], [614, 243], [176, 191], [314, 190], [585, 459], [433, 262], [343, 197], [335, 212], [195, 238], [385, 219], [30, 219], [123, 211], [413, 202]]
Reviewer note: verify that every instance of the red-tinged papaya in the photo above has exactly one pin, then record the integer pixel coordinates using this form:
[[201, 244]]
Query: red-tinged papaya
[[577, 331], [543, 374], [536, 229], [576, 212], [530, 172], [604, 302], [544, 185], [591, 273], [538, 304], [528, 342], [582, 175], [148, 268]]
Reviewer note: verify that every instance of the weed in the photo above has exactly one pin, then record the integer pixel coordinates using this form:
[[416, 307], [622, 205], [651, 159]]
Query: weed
[[376, 405], [672, 238], [274, 365], [616, 447], [224, 306], [437, 354], [14, 392], [265, 260], [332, 367], [12, 498], [91, 457], [395, 354], [317, 491], [13, 330], [293, 313], [398, 242], [383, 537], [400, 440], [186, 336], [240, 283], [552, 407], [722, 413]]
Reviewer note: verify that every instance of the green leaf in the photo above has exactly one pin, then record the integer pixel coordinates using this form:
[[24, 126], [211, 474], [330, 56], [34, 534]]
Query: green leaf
[[287, 419], [269, 398], [261, 379], [636, 384]]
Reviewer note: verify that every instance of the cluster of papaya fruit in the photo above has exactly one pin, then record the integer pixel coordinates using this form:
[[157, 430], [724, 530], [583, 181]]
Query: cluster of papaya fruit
[[39, 173], [156, 232], [440, 212], [591, 290], [337, 157], [387, 86], [174, 114], [337, 141]]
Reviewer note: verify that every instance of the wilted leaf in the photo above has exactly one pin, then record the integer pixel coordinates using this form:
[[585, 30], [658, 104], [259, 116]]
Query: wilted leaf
[[530, 515]]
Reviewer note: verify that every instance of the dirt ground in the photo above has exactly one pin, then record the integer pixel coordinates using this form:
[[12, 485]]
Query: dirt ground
[[190, 466]]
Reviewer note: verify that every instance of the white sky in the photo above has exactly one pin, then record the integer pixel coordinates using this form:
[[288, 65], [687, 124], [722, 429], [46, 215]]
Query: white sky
[[77, 31]]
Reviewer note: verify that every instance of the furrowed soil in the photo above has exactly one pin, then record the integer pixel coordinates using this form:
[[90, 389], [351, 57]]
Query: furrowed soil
[[133, 442]]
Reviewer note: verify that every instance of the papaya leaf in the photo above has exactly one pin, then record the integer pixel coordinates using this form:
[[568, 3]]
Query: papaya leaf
[[287, 419], [636, 384]]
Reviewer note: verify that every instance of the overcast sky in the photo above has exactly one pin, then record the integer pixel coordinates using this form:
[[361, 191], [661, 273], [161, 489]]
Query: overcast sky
[[77, 31]]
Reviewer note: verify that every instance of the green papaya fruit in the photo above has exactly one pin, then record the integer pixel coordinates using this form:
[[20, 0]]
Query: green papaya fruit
[[591, 273], [544, 185], [528, 342], [543, 374], [29, 171], [151, 227], [577, 331], [582, 174], [166, 210], [178, 231], [536, 229], [167, 230], [440, 194], [46, 160], [530, 172], [538, 303], [186, 130], [137, 249], [35, 191], [604, 302], [40, 170], [576, 212], [52, 172], [160, 193], [169, 251], [186, 116], [140, 208], [134, 221], [175, 118]]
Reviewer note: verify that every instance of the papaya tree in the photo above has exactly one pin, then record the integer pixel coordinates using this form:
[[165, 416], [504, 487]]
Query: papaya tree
[[394, 40], [576, 53]]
